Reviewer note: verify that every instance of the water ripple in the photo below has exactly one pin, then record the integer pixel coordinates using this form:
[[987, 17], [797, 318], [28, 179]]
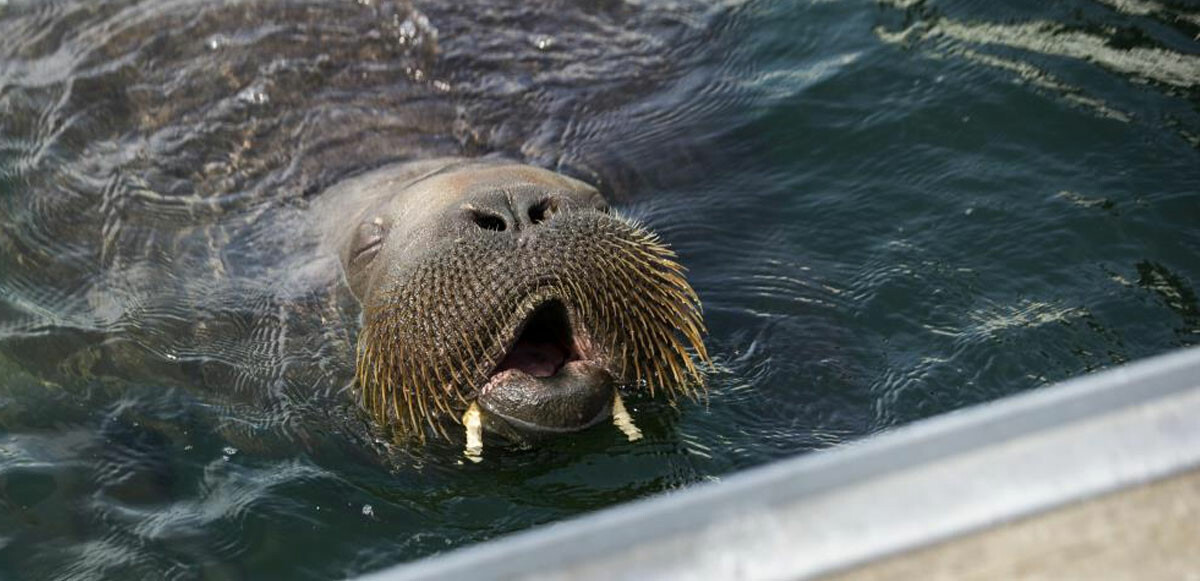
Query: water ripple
[[889, 210]]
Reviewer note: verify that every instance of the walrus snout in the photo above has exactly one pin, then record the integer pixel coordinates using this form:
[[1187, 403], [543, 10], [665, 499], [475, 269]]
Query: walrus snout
[[549, 380]]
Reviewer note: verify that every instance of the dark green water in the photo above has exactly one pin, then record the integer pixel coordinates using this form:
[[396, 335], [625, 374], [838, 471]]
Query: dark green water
[[890, 210]]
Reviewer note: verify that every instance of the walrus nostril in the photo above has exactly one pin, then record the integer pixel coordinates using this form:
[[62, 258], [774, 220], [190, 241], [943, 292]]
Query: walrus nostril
[[489, 221], [542, 210]]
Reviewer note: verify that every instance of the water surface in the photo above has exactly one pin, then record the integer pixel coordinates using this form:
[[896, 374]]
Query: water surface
[[890, 210]]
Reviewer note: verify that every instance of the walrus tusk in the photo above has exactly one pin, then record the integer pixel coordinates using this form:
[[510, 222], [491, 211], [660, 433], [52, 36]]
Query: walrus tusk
[[473, 421], [623, 420]]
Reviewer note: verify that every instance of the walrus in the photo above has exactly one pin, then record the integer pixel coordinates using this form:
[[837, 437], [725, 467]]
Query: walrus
[[505, 296]]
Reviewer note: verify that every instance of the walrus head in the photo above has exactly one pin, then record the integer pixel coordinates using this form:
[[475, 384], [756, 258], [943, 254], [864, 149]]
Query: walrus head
[[516, 289]]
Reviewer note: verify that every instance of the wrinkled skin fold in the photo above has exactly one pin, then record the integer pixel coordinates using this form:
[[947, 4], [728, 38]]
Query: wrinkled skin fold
[[432, 341]]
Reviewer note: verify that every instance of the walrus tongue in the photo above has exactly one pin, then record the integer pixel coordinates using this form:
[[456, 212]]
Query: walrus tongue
[[537, 358]]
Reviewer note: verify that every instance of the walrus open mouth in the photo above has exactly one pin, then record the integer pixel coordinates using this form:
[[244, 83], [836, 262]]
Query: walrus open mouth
[[537, 330], [547, 382], [545, 342]]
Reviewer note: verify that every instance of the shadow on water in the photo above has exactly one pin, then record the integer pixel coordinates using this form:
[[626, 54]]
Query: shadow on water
[[890, 210]]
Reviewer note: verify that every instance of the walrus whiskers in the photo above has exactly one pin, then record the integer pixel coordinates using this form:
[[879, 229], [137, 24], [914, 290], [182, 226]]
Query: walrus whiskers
[[446, 324]]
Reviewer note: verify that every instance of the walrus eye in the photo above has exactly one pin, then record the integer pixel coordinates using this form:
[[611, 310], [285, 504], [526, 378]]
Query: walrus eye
[[367, 242]]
